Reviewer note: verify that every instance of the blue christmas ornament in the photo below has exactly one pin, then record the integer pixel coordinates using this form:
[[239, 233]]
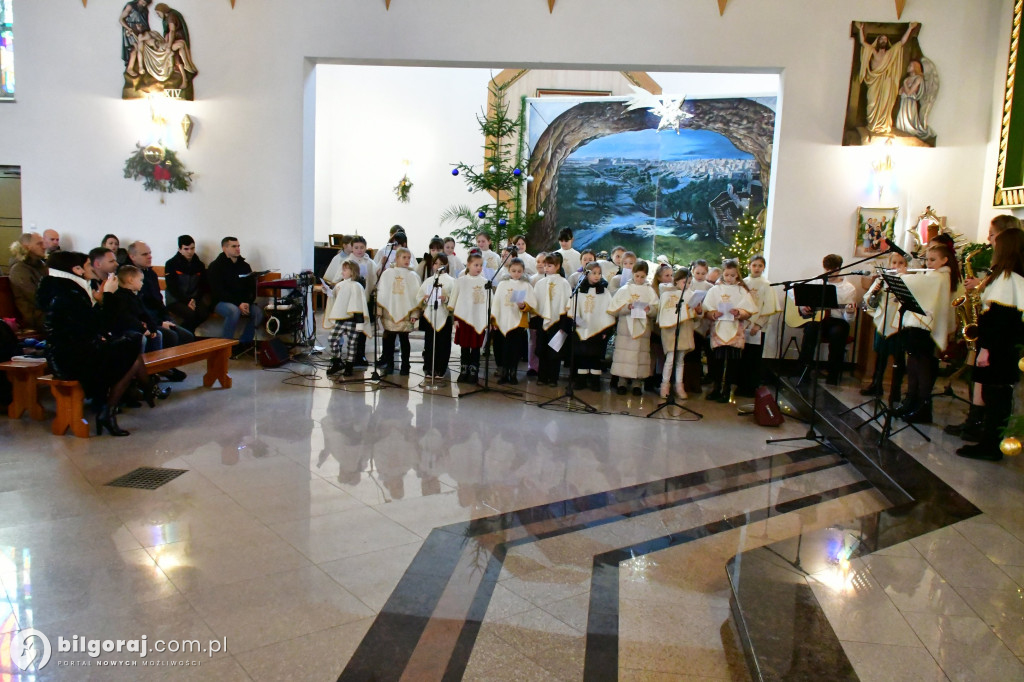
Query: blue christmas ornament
[[517, 172], [455, 171], [503, 222], [481, 214]]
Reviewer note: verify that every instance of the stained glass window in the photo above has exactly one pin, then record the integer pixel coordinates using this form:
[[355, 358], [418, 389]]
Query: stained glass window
[[6, 49]]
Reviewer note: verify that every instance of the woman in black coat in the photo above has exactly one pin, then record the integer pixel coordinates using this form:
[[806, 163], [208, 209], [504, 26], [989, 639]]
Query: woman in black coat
[[76, 345]]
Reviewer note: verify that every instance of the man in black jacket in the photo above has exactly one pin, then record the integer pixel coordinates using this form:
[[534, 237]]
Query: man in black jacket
[[153, 301], [186, 291], [233, 289]]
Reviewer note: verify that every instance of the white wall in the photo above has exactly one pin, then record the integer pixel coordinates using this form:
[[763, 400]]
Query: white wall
[[372, 118], [70, 132]]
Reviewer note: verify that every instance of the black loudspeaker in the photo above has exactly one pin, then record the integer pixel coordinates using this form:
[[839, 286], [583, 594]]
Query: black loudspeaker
[[766, 410], [272, 353]]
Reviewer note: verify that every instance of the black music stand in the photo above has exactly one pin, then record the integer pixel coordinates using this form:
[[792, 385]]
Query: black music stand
[[820, 297], [898, 288]]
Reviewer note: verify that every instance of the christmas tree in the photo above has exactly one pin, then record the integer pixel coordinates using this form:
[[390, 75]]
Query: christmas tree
[[502, 176], [747, 241]]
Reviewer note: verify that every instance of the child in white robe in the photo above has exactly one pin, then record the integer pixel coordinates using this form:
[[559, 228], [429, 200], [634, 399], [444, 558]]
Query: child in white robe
[[594, 327], [436, 323], [728, 305], [398, 305], [764, 296], [552, 302], [675, 342], [348, 317], [514, 299], [632, 357], [468, 304]]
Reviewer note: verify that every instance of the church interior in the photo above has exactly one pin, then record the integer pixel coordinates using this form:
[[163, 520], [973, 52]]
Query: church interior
[[398, 526]]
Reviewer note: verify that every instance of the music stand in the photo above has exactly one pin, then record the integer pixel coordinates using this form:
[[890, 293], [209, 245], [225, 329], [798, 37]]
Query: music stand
[[819, 298], [804, 296], [907, 303]]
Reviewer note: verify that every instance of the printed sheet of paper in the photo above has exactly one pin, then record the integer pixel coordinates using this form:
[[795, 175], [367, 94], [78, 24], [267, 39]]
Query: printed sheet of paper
[[725, 308], [519, 296], [697, 298], [756, 339], [329, 291], [627, 277], [558, 340]]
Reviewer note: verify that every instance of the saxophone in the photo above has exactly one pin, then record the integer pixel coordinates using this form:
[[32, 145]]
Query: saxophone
[[968, 307]]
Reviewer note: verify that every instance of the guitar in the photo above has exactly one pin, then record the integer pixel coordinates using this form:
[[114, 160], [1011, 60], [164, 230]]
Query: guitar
[[794, 318]]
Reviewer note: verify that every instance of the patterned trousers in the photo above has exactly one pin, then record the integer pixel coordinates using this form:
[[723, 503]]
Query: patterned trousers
[[343, 340]]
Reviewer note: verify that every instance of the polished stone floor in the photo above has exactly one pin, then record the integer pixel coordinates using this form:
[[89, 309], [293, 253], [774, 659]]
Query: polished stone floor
[[329, 530]]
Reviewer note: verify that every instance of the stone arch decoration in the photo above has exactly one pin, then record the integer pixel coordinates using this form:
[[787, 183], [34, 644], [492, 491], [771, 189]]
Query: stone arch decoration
[[748, 124]]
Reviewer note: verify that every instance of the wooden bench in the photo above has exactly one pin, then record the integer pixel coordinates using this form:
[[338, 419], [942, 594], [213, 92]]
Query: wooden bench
[[23, 377], [70, 396], [216, 352]]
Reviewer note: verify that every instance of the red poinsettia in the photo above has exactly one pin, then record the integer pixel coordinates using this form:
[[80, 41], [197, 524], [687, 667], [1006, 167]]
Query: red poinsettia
[[161, 173]]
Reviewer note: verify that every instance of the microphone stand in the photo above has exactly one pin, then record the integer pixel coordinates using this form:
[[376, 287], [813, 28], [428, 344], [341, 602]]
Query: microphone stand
[[569, 394], [676, 353], [510, 252]]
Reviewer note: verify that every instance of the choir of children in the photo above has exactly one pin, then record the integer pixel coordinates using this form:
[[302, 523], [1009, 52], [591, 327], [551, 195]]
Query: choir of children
[[546, 318]]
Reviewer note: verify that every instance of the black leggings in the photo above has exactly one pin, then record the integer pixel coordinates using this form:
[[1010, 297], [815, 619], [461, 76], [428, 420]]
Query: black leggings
[[388, 353]]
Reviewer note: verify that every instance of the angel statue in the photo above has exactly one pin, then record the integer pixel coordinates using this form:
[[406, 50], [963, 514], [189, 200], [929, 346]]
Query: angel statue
[[917, 95]]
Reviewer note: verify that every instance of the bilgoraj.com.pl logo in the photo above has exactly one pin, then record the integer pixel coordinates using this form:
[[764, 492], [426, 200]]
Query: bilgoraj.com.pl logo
[[31, 650]]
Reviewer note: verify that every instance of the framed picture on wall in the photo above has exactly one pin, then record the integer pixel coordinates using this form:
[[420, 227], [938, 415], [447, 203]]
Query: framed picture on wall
[[874, 225]]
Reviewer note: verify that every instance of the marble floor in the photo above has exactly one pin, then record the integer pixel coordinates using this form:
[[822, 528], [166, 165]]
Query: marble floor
[[327, 531]]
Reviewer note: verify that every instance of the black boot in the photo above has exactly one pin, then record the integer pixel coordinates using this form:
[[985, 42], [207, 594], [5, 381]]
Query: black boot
[[513, 376], [336, 366], [404, 371], [462, 375], [921, 415], [473, 374], [874, 388], [998, 407], [503, 377], [347, 369], [154, 392], [594, 383], [580, 382], [106, 419], [971, 425]]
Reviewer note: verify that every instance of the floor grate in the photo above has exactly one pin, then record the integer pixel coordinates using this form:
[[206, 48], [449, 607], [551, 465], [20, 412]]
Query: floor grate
[[147, 478]]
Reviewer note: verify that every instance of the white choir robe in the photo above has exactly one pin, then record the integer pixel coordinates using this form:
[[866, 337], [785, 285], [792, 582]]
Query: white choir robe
[[348, 298], [506, 314]]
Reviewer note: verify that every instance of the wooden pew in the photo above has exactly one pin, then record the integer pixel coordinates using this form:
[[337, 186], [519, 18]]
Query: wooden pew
[[69, 394]]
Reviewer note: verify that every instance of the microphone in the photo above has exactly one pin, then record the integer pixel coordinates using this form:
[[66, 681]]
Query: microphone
[[894, 248], [442, 269], [513, 249], [858, 272], [578, 285]]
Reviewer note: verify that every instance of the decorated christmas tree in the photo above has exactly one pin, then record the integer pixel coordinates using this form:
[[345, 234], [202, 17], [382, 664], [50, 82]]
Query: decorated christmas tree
[[747, 241], [502, 176]]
